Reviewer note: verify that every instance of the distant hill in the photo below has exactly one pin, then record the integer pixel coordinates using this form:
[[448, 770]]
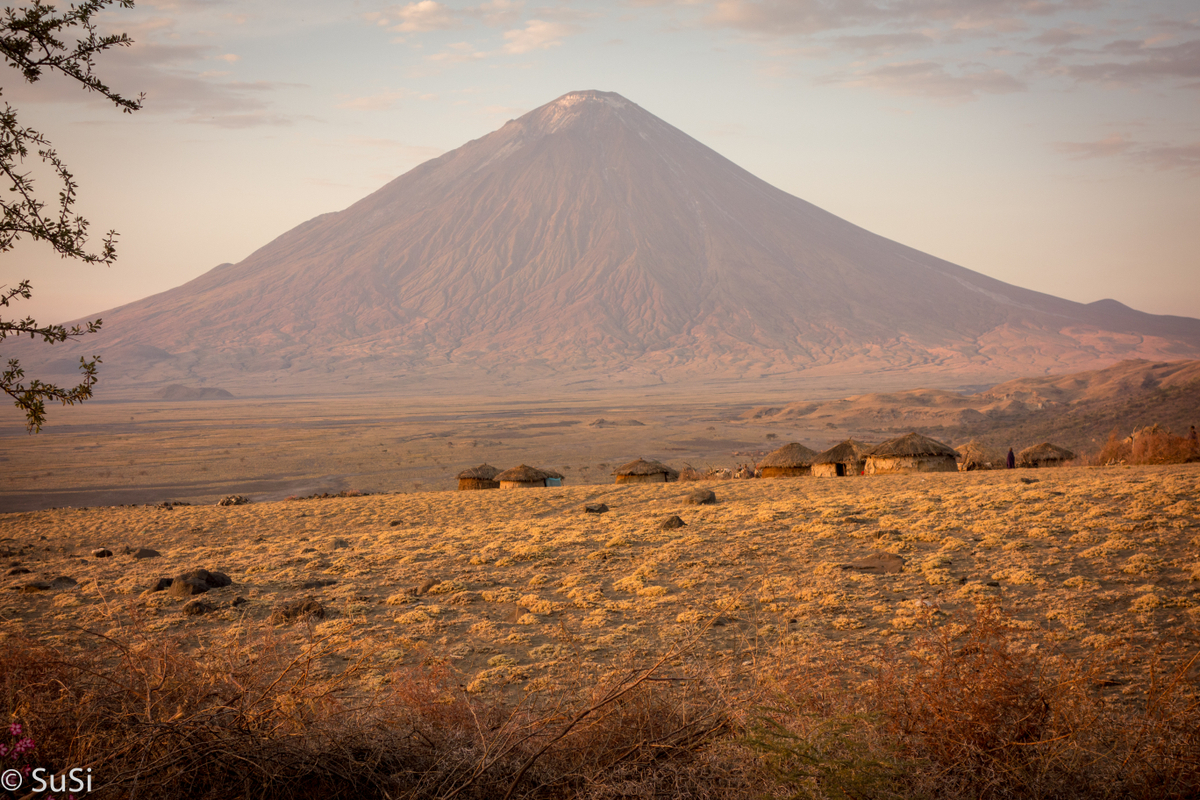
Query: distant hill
[[589, 246], [179, 392], [1077, 411]]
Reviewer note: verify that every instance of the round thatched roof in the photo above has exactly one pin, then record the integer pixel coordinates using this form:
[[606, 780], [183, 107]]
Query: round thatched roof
[[912, 444], [1045, 452], [552, 474], [843, 453], [980, 453], [790, 455], [643, 467], [522, 474], [484, 472]]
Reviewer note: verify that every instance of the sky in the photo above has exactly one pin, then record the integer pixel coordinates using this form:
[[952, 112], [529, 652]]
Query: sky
[[1052, 144]]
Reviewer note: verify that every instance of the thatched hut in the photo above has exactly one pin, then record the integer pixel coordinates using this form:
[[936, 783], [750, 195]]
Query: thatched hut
[[554, 478], [521, 477], [642, 471], [792, 459], [842, 459], [974, 456], [911, 452], [1044, 455], [481, 477]]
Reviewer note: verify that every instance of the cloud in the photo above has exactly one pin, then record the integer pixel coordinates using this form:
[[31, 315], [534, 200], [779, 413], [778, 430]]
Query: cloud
[[419, 17], [497, 13], [459, 53], [1156, 155], [537, 35], [930, 79], [1133, 62]]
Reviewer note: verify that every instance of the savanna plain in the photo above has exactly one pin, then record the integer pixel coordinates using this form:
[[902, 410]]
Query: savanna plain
[[986, 634]]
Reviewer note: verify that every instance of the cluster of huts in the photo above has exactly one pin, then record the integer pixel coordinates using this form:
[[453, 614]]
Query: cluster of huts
[[909, 453]]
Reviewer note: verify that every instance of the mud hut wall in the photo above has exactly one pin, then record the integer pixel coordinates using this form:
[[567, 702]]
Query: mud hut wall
[[470, 484], [523, 484], [655, 477], [786, 472], [883, 465]]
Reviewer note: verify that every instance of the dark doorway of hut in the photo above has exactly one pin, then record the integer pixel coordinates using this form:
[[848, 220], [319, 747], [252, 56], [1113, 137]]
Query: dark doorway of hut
[[841, 470]]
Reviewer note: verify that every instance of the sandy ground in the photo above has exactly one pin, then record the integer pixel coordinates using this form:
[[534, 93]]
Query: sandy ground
[[521, 588], [150, 452]]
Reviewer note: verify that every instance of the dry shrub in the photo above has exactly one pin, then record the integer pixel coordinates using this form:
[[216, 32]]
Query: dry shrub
[[266, 719], [1153, 445], [975, 714]]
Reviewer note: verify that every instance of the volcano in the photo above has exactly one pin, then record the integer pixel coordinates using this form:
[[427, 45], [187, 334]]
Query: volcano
[[591, 245]]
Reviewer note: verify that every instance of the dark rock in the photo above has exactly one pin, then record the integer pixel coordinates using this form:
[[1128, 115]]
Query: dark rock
[[63, 582], [993, 583], [338, 544], [18, 571], [426, 585], [671, 523], [396, 522], [33, 587], [595, 508], [101, 552], [145, 552], [233, 500], [161, 584], [298, 609], [194, 608], [214, 580], [318, 584], [304, 550], [187, 587], [1029, 480], [238, 601], [701, 497]]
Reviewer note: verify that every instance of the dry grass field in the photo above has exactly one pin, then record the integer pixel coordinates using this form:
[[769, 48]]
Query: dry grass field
[[520, 588], [787, 604]]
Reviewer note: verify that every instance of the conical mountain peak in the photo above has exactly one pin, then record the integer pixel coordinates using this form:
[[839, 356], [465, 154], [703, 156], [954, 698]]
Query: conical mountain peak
[[590, 244]]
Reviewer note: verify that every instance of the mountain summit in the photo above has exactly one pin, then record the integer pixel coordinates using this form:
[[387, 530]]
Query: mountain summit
[[590, 244]]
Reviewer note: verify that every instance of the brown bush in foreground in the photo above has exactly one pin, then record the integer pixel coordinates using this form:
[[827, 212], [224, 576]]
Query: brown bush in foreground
[[152, 720], [972, 714], [969, 712], [1153, 445]]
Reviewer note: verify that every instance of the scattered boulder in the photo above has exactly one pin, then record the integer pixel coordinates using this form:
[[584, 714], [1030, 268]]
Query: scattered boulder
[[878, 564], [143, 552], [194, 608], [298, 609], [18, 571], [161, 584], [396, 522], [595, 508], [338, 544], [1029, 480], [672, 522], [61, 582], [101, 552], [233, 500], [701, 497], [198, 581], [320, 583]]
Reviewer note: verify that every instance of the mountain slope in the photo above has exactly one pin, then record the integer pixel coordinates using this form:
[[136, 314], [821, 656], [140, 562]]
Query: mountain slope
[[589, 243]]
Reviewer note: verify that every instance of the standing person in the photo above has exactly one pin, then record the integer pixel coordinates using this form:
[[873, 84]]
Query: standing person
[[1011, 461]]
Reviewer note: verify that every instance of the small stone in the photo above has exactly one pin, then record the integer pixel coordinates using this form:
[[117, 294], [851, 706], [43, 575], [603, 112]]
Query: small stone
[[878, 564], [701, 497], [194, 608], [63, 582], [33, 587], [145, 552], [672, 522], [18, 571], [238, 601], [304, 550], [993, 583], [298, 609], [595, 508], [161, 584], [396, 522], [318, 584], [101, 552], [426, 586], [233, 500], [338, 544], [1029, 480]]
